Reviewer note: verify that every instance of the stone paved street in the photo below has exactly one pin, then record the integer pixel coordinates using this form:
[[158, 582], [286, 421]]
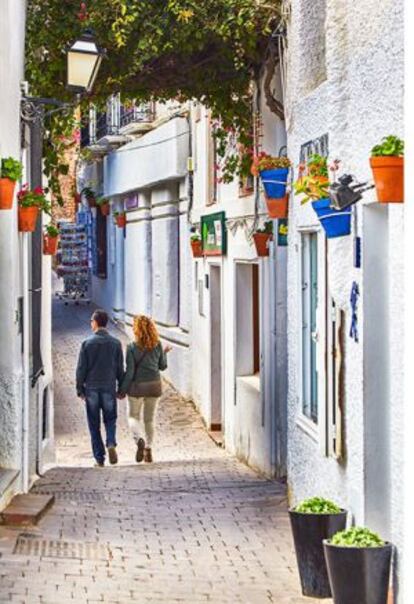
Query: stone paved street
[[195, 526]]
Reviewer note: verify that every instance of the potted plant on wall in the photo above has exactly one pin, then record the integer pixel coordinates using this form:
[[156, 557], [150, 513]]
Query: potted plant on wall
[[261, 238], [50, 240], [274, 172], [313, 185], [11, 171], [90, 196], [103, 205], [120, 219], [30, 202], [387, 164], [312, 521], [196, 245], [359, 563]]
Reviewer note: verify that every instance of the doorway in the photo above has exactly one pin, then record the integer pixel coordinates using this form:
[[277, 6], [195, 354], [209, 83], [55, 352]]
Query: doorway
[[216, 374]]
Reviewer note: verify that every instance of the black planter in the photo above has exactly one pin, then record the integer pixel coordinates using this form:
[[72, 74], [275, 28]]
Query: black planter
[[359, 574], [309, 531]]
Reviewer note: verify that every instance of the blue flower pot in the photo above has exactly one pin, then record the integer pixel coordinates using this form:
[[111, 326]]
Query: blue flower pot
[[336, 223], [274, 182]]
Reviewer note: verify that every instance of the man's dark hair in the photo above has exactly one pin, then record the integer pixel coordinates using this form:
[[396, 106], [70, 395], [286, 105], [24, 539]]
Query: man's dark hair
[[101, 317]]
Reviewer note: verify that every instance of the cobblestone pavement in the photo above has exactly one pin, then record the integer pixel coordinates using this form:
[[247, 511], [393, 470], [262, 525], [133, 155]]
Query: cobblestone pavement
[[195, 526]]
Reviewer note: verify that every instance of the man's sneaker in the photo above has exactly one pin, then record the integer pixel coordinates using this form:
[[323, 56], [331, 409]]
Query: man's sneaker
[[140, 450], [99, 464], [113, 456], [148, 455]]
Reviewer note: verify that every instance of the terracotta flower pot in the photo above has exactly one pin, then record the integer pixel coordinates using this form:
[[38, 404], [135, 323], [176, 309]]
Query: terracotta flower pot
[[121, 221], [104, 209], [28, 218], [50, 245], [6, 193], [260, 241], [277, 208], [197, 248], [389, 178]]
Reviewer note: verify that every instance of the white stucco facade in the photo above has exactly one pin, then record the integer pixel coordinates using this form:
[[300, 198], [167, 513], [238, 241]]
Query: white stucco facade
[[20, 458], [148, 269], [354, 94], [245, 401]]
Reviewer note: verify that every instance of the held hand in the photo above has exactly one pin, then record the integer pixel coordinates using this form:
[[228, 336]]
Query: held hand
[[120, 396], [168, 349]]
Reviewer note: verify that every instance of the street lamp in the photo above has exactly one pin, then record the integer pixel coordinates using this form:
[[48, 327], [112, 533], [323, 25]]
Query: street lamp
[[84, 58]]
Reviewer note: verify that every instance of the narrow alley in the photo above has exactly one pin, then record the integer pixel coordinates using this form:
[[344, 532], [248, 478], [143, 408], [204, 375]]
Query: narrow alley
[[195, 526]]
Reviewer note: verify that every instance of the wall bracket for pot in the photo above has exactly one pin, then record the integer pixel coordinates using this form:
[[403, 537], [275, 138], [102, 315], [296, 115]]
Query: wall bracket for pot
[[345, 193]]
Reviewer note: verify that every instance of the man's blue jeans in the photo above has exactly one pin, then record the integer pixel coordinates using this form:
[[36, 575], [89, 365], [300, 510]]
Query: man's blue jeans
[[97, 401]]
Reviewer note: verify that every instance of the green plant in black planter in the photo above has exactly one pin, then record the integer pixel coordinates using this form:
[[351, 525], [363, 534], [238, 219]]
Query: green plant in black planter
[[312, 521], [362, 555]]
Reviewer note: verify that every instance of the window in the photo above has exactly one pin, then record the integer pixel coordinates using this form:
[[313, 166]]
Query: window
[[309, 288]]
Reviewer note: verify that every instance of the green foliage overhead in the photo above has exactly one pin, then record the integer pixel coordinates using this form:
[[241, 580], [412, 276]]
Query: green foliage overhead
[[11, 168], [391, 146], [156, 50], [165, 49], [357, 537], [317, 505]]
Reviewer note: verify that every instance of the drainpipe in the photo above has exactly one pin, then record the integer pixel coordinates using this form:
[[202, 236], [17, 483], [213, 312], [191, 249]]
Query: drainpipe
[[26, 363]]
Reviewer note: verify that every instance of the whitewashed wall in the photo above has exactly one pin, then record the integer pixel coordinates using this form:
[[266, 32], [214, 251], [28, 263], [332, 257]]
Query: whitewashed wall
[[358, 102], [248, 411], [12, 24]]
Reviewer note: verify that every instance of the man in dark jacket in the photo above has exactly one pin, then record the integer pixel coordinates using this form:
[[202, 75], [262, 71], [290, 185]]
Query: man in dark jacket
[[99, 374]]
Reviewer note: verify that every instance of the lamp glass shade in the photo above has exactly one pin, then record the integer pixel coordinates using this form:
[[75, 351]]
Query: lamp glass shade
[[84, 59]]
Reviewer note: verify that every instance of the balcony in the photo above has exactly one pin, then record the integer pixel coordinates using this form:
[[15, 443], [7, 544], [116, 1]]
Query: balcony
[[136, 118], [113, 127]]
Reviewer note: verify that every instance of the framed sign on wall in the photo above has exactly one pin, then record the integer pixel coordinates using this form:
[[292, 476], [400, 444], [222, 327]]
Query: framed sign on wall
[[214, 234], [282, 232]]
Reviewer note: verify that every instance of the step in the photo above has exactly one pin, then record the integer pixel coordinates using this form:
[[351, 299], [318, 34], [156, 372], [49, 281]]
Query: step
[[26, 510]]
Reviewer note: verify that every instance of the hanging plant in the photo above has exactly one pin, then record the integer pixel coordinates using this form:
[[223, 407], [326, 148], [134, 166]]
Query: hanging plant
[[196, 245], [90, 196], [387, 163], [50, 240], [262, 237], [120, 219], [11, 171], [30, 203], [103, 205], [313, 184], [313, 180]]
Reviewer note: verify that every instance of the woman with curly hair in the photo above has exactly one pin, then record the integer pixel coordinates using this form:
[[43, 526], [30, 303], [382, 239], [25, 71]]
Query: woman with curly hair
[[142, 383]]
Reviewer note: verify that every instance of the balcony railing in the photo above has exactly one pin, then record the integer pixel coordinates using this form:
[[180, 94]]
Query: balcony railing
[[108, 123], [136, 114]]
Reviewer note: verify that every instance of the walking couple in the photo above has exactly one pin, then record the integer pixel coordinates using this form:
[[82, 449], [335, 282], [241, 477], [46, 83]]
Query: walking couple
[[101, 380]]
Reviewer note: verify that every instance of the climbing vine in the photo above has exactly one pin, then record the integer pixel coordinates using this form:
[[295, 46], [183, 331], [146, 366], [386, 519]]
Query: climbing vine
[[156, 50]]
